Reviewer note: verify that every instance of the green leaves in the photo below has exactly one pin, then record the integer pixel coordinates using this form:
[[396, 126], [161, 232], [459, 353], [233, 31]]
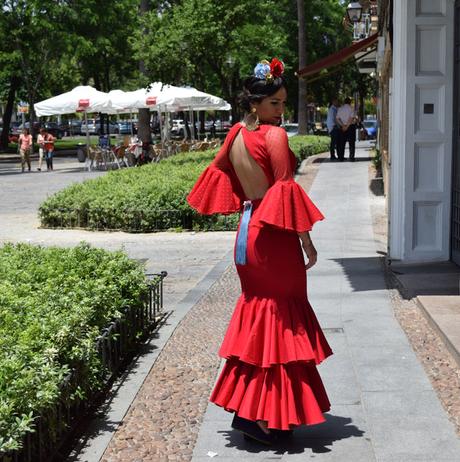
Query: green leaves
[[53, 304]]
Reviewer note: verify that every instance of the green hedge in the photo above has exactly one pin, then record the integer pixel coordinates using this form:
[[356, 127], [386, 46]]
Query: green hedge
[[309, 145], [53, 304], [149, 198]]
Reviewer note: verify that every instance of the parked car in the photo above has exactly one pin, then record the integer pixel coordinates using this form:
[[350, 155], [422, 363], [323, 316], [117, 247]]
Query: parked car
[[71, 127], [94, 127], [370, 125], [51, 127], [54, 129], [178, 128], [223, 125], [291, 129], [12, 138], [15, 128], [126, 127]]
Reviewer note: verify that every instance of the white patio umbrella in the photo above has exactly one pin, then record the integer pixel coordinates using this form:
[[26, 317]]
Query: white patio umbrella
[[132, 101], [173, 99], [178, 98], [81, 99]]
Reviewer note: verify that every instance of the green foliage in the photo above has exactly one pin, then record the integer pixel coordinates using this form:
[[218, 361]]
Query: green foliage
[[211, 44], [53, 304], [149, 198], [308, 145], [52, 46], [377, 160]]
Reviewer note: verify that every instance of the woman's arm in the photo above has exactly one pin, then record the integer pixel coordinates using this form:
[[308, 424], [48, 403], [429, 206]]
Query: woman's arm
[[309, 249]]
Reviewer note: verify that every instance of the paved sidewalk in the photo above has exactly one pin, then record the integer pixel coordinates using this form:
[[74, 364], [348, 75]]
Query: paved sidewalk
[[383, 406]]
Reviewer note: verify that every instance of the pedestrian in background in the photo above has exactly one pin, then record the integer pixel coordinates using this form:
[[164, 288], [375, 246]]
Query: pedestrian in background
[[41, 148], [25, 146], [332, 128], [346, 120], [49, 150]]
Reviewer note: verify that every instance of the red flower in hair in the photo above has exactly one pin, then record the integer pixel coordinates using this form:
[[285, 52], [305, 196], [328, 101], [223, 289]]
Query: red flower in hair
[[276, 68]]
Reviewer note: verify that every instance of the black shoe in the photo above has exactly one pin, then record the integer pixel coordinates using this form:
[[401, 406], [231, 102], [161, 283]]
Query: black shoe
[[252, 430], [352, 159], [283, 434]]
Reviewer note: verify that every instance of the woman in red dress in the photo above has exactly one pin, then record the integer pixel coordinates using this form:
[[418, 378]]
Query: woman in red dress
[[273, 342]]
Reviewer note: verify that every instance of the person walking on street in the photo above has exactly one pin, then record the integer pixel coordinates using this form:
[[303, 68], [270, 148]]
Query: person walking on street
[[49, 150], [332, 127], [25, 146], [346, 120], [41, 148]]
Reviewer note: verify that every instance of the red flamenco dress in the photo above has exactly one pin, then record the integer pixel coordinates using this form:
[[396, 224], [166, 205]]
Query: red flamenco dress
[[273, 342]]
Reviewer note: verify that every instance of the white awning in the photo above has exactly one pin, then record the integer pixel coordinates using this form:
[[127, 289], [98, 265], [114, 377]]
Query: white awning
[[80, 99]]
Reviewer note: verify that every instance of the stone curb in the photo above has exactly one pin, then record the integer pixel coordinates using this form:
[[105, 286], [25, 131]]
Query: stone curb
[[435, 321]]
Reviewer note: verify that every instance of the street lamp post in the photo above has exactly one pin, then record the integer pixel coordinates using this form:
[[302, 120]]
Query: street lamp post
[[354, 12]]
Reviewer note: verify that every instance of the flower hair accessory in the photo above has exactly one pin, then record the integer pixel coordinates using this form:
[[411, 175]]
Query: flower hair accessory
[[269, 71]]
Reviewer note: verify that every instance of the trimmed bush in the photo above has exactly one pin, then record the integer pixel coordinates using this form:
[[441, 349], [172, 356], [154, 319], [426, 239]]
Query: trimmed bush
[[308, 145], [149, 198], [54, 302]]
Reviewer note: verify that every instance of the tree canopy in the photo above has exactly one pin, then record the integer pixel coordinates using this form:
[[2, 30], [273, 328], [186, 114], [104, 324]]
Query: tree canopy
[[48, 46]]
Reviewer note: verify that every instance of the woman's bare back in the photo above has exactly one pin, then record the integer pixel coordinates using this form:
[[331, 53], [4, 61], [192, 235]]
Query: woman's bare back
[[251, 176]]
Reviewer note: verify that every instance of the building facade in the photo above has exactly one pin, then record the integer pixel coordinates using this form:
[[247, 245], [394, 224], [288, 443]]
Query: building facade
[[418, 58]]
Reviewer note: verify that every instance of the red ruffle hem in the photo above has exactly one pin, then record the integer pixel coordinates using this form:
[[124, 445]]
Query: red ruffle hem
[[272, 348]]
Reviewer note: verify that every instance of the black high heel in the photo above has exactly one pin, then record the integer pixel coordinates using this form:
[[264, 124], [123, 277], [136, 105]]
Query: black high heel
[[283, 434], [252, 430]]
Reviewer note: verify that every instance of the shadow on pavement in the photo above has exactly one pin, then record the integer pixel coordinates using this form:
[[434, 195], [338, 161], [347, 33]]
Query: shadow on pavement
[[317, 438], [413, 280], [376, 186], [363, 273]]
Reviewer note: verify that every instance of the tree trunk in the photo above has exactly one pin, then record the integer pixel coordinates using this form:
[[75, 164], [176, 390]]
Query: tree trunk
[[302, 102], [14, 84], [144, 114]]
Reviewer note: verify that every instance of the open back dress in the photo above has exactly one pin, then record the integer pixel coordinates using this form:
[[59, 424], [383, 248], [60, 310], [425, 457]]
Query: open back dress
[[273, 342]]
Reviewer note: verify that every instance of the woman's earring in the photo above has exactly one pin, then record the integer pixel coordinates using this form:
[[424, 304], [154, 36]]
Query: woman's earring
[[251, 121]]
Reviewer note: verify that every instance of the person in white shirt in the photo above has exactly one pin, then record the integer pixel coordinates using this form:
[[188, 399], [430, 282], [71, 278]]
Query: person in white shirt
[[332, 127], [41, 147], [346, 120]]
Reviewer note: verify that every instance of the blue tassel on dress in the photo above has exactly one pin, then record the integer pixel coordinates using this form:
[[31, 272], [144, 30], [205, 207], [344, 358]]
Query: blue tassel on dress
[[242, 239]]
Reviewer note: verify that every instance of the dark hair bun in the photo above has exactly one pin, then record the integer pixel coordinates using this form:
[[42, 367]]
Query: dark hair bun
[[255, 90]]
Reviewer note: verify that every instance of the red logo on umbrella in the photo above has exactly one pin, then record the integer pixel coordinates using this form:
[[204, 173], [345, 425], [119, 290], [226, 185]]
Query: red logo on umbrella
[[82, 104], [151, 100]]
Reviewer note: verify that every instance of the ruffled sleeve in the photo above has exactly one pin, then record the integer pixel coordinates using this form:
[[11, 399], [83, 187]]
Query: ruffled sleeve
[[214, 193], [287, 206]]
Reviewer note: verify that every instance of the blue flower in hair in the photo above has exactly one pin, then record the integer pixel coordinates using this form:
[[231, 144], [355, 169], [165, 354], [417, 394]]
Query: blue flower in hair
[[262, 69]]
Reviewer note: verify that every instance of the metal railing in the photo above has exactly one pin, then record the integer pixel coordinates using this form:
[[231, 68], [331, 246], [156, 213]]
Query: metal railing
[[56, 427]]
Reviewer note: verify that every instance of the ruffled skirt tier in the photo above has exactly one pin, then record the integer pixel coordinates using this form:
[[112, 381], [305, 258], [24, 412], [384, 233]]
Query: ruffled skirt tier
[[283, 395], [272, 347]]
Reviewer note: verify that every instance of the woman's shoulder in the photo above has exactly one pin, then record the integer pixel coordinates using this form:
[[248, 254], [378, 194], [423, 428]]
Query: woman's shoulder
[[275, 133]]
